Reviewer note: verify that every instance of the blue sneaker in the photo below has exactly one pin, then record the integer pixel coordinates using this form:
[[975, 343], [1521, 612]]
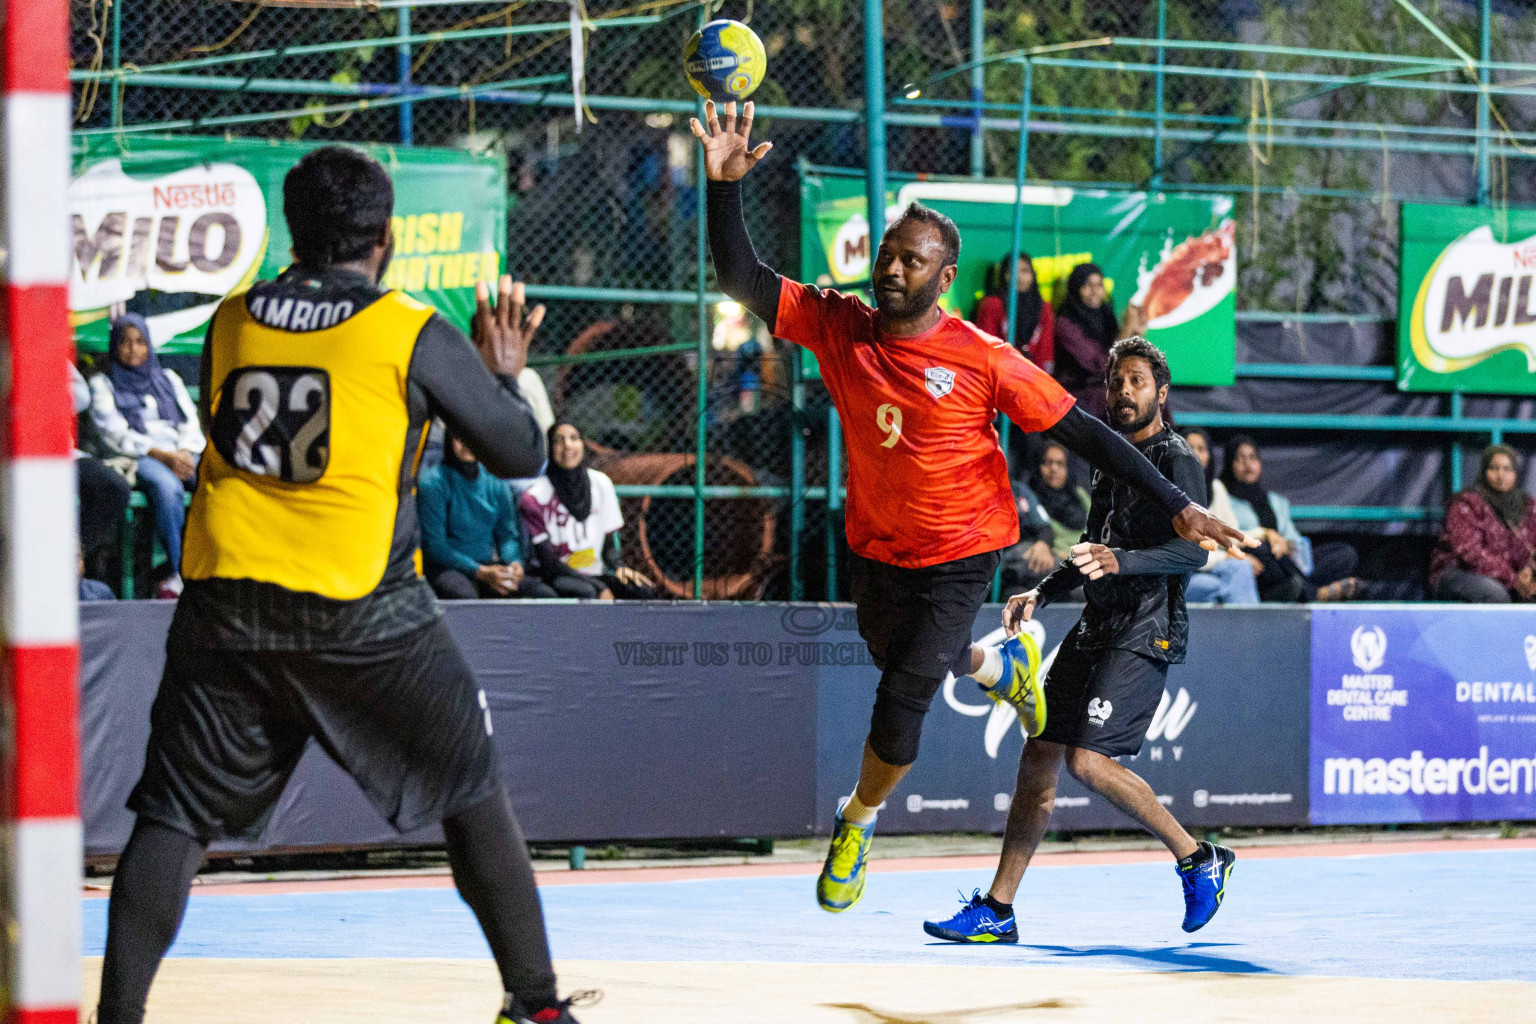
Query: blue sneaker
[[1020, 685], [1205, 884], [976, 922], [841, 883]]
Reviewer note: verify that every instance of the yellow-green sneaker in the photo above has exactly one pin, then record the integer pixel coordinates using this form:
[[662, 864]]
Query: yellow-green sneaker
[[841, 883], [1020, 685]]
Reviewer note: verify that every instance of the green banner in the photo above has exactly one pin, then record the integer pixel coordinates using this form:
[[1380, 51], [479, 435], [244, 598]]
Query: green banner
[[1466, 312], [1173, 255], [169, 227]]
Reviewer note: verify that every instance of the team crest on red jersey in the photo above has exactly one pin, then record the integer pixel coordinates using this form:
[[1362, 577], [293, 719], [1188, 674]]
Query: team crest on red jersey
[[939, 380]]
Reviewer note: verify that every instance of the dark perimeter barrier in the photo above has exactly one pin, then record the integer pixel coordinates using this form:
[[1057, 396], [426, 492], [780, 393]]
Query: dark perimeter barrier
[[652, 721], [1228, 745]]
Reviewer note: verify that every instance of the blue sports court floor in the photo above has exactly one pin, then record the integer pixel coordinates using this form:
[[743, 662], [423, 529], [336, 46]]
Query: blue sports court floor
[[1447, 913]]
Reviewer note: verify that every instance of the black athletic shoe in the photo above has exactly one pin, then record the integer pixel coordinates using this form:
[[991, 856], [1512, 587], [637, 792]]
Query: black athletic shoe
[[560, 1013]]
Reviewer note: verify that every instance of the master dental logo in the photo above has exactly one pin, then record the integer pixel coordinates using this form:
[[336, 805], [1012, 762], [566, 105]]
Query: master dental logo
[[1367, 696], [1378, 776], [1503, 691], [1369, 648]]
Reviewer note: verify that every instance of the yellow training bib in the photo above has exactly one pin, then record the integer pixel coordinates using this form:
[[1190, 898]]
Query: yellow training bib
[[303, 477]]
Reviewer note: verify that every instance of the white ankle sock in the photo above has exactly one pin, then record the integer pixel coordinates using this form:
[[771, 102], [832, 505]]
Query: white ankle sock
[[991, 671], [855, 813]]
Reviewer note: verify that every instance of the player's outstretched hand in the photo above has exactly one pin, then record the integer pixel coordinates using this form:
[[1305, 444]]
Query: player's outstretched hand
[[728, 151], [502, 332], [1019, 610], [1094, 560], [1197, 525]]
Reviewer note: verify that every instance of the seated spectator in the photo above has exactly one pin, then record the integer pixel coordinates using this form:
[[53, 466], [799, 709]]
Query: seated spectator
[[101, 494], [1085, 329], [143, 411], [89, 589], [1065, 501], [1224, 579], [472, 540], [1030, 560], [537, 396], [1034, 320], [572, 514], [1294, 569], [1486, 549]]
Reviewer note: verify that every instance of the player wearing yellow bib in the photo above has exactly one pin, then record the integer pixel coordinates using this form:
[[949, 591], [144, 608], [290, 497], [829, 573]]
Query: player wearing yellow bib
[[303, 614]]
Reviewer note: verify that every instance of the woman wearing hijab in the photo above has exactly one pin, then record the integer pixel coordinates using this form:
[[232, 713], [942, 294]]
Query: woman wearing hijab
[[1486, 549], [1294, 569], [142, 411], [1085, 329], [1034, 320], [1223, 580], [1064, 501], [570, 512], [472, 539]]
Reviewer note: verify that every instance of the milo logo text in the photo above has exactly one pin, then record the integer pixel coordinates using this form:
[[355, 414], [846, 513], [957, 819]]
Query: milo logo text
[[1475, 302]]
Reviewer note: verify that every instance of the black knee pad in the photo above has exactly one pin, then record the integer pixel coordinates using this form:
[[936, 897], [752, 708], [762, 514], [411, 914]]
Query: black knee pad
[[896, 725]]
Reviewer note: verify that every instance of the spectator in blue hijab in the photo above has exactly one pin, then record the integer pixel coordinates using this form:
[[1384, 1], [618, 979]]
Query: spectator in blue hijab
[[142, 411]]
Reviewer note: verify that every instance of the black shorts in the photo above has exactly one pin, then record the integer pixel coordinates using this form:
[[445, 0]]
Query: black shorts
[[403, 717], [1102, 700], [919, 620]]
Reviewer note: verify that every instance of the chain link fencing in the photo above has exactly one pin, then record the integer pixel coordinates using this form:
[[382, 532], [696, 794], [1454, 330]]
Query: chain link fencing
[[603, 221]]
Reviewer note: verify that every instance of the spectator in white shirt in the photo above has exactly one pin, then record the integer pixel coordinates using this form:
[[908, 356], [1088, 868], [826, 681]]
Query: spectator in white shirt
[[143, 411], [570, 512], [101, 493]]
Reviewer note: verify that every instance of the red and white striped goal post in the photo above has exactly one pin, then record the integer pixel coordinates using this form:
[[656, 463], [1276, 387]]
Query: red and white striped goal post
[[39, 773]]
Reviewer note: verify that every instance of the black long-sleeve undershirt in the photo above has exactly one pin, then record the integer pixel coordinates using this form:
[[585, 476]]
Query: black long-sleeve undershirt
[[1112, 454], [1174, 556], [741, 274]]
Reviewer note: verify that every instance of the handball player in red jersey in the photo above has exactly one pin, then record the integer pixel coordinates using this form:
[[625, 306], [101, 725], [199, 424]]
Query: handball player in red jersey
[[929, 504]]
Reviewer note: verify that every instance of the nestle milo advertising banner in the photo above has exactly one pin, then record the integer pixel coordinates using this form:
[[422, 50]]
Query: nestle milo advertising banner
[[1172, 255], [169, 227], [1466, 302]]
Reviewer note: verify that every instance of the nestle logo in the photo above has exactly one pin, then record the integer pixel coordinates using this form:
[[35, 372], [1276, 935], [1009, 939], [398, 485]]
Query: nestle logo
[[194, 197]]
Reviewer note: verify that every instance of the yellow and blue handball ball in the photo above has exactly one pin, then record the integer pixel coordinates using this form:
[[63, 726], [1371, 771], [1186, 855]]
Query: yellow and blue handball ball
[[725, 61]]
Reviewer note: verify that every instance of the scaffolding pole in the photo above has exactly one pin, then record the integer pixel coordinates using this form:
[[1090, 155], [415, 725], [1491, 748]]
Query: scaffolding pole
[[874, 121], [1015, 246], [1485, 33], [701, 305], [978, 85], [403, 74], [1157, 137]]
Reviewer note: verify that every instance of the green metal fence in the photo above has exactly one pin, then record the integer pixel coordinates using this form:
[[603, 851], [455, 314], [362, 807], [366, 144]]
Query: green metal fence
[[1317, 114]]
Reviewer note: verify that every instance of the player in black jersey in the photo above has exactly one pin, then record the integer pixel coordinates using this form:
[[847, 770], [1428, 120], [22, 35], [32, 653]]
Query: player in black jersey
[[1105, 684]]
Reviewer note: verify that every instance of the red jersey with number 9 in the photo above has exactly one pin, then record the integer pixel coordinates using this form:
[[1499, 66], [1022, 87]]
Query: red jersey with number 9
[[927, 482]]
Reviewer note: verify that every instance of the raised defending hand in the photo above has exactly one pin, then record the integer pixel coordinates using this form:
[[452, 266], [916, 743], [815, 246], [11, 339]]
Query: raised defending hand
[[727, 152], [502, 333], [1019, 610], [1197, 525]]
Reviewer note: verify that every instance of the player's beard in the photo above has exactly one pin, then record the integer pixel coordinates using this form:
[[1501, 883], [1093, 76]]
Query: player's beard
[[911, 305], [1142, 418]]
